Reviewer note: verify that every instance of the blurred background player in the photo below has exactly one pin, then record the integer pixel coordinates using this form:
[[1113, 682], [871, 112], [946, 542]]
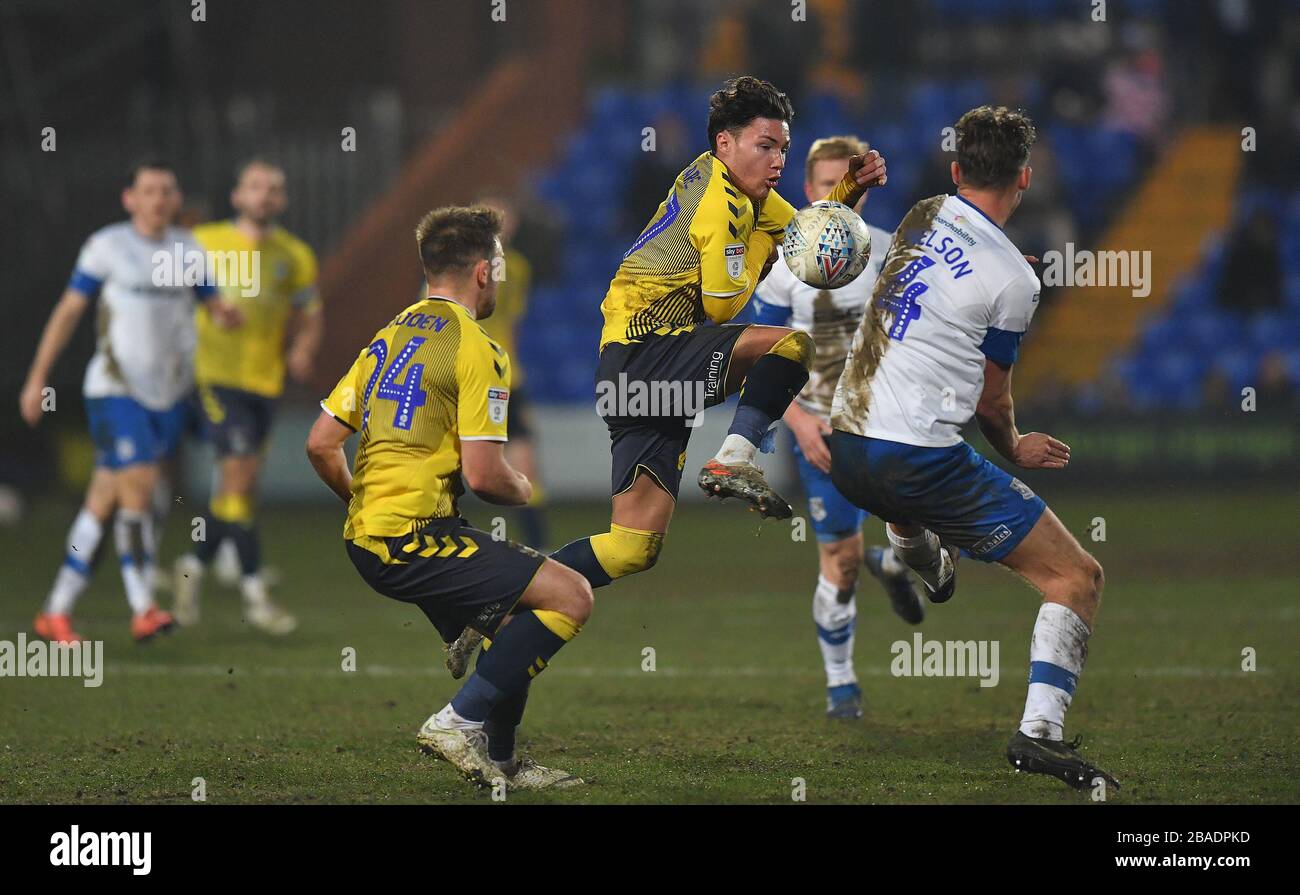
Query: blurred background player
[[512, 305], [240, 374], [135, 385], [936, 349], [831, 317], [440, 410]]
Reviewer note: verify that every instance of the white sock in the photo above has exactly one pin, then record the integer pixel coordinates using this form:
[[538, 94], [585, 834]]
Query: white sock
[[735, 449], [1057, 652], [448, 719], [133, 532], [83, 540], [835, 624], [227, 563], [254, 591], [921, 554], [890, 563], [191, 565]]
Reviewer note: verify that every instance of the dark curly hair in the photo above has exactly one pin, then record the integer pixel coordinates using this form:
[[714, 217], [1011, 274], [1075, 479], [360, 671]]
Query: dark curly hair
[[993, 145], [740, 101]]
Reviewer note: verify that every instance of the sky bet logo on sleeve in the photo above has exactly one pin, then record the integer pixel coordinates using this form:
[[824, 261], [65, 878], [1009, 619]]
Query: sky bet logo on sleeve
[[498, 400], [735, 260]]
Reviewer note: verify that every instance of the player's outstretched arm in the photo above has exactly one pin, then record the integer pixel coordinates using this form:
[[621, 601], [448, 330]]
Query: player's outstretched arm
[[483, 463], [325, 450], [997, 418], [58, 330]]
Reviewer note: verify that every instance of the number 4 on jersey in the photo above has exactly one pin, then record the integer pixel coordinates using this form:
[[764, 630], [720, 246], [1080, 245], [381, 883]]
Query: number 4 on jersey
[[903, 303], [406, 393]]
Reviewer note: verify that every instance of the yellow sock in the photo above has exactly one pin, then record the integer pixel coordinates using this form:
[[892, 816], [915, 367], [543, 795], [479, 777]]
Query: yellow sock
[[797, 346], [558, 623], [233, 508], [625, 551]]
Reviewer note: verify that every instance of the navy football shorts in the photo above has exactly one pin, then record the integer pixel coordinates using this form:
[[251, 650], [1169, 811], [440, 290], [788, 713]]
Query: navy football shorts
[[237, 422], [647, 393], [458, 575]]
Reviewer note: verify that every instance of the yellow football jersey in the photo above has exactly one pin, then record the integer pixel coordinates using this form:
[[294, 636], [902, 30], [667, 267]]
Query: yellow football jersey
[[251, 356], [512, 304], [428, 381], [700, 256], [694, 260]]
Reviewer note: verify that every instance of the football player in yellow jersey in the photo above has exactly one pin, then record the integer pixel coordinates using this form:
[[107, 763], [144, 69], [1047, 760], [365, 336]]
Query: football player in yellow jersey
[[240, 374], [696, 264], [429, 397], [512, 304]]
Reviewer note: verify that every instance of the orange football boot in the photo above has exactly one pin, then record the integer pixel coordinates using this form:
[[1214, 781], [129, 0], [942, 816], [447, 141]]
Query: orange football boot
[[745, 481], [149, 624], [56, 628]]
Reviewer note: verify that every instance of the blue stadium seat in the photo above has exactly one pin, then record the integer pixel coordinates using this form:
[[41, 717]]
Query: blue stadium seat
[[1239, 367], [1163, 332], [1174, 368], [1195, 294], [1267, 332], [1211, 329], [1292, 357]]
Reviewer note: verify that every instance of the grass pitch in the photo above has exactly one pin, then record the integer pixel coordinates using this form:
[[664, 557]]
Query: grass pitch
[[733, 711]]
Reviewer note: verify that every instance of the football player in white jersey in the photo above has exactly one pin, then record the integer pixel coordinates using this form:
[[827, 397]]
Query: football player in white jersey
[[831, 318], [140, 273], [935, 349]]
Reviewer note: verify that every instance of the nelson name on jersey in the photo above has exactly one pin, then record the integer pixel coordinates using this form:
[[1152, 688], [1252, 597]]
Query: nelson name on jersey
[[945, 248]]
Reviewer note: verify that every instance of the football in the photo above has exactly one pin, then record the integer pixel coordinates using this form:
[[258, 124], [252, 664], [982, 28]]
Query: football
[[827, 245]]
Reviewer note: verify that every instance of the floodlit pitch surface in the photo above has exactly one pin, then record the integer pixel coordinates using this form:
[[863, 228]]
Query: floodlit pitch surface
[[733, 711]]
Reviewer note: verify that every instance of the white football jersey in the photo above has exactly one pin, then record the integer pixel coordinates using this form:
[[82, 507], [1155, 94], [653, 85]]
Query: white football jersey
[[830, 316], [144, 333], [954, 291]]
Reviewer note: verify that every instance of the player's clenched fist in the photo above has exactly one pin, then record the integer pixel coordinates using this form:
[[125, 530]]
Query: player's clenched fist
[[225, 314], [1039, 451], [868, 170]]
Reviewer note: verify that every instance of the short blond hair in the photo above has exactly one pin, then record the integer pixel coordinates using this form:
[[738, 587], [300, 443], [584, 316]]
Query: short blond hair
[[827, 148]]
